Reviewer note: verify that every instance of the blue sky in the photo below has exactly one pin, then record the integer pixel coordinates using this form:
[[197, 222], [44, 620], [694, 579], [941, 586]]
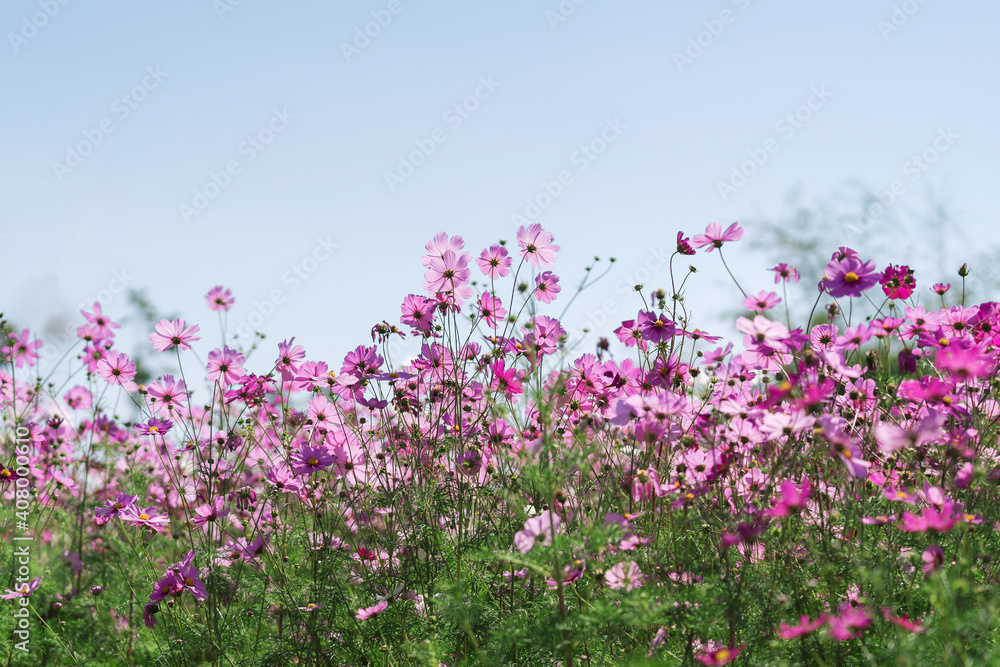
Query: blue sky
[[175, 146]]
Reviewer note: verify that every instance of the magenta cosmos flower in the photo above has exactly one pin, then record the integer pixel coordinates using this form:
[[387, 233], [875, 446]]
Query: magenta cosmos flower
[[114, 508], [225, 365], [116, 368], [154, 426], [536, 246], [173, 333], [898, 282], [21, 350], [494, 262], [368, 612], [308, 460], [849, 276], [220, 298], [714, 237], [786, 273], [547, 287], [761, 301], [102, 323], [210, 513], [684, 245]]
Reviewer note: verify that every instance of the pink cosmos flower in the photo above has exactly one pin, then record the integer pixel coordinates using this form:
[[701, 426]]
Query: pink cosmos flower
[[321, 412], [289, 359], [21, 350], [655, 328], [762, 331], [166, 394], [220, 298], [418, 312], [547, 287], [902, 621], [761, 301], [116, 368], [448, 273], [849, 277], [930, 519], [173, 334], [368, 612], [714, 237], [102, 323], [306, 460], [114, 508], [536, 246], [187, 580], [940, 288], [785, 272], [147, 518], [491, 309], [719, 656], [627, 576], [210, 513], [849, 623], [494, 262], [804, 627], [630, 334], [933, 558], [441, 244], [684, 245], [793, 498], [154, 427], [537, 531], [225, 366], [898, 282], [24, 590], [78, 398], [505, 380]]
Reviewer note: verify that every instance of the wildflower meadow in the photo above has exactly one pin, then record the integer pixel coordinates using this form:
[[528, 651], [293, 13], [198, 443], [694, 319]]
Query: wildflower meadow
[[815, 492]]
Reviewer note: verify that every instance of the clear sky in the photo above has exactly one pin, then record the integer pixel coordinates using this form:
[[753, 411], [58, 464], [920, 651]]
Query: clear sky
[[278, 149]]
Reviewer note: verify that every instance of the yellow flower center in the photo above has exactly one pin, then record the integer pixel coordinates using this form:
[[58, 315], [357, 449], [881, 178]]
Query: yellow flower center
[[312, 461], [188, 581], [723, 654], [851, 277], [144, 516]]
